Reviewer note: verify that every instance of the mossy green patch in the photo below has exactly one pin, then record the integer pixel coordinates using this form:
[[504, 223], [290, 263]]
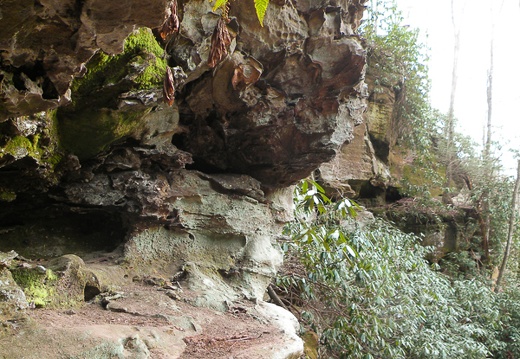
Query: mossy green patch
[[39, 288], [144, 40], [54, 154], [18, 146], [310, 344], [94, 130], [94, 120], [42, 146], [140, 66], [7, 195]]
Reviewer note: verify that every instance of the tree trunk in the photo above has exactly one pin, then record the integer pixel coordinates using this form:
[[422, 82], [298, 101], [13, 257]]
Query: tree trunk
[[450, 125], [487, 148], [486, 216], [511, 229]]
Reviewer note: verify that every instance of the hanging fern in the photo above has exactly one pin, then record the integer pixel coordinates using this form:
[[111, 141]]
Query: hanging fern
[[260, 7], [220, 4]]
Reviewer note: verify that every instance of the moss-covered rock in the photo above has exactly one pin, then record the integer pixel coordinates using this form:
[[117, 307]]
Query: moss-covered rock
[[310, 343], [141, 66], [107, 102], [93, 130], [66, 282], [12, 298], [7, 195], [29, 144], [38, 285]]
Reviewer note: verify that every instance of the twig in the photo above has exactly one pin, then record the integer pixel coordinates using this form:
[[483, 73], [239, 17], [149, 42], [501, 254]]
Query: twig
[[243, 338], [236, 340], [274, 297]]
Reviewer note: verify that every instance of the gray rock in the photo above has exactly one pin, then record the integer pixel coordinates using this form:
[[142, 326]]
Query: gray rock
[[12, 297]]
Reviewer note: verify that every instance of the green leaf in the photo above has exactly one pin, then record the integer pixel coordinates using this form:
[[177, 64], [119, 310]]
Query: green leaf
[[261, 8], [305, 186], [350, 251], [219, 3], [318, 187]]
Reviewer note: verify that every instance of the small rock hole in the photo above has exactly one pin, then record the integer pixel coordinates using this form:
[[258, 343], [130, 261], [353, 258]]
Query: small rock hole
[[90, 292]]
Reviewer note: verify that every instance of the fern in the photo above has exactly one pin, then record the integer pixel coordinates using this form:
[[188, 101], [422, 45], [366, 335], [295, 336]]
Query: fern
[[260, 7], [219, 4]]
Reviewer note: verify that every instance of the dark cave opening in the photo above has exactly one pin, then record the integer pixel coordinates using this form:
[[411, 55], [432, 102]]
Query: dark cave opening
[[54, 230], [392, 194], [37, 74], [90, 292], [381, 148]]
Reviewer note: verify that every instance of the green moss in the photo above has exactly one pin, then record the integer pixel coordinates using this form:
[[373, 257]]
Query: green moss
[[47, 153], [310, 344], [18, 146], [54, 153], [144, 40], [94, 130], [152, 75], [140, 66], [39, 288], [7, 196], [93, 122]]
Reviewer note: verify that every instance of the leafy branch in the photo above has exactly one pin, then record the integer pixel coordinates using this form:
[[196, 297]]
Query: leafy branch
[[367, 291]]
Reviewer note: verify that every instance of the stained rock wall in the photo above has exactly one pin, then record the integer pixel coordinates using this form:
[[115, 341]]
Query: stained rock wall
[[202, 186], [370, 166], [295, 116]]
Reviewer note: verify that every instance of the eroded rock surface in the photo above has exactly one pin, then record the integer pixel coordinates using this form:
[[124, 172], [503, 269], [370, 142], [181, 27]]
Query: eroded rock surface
[[142, 321], [45, 44], [295, 116], [367, 166], [198, 190]]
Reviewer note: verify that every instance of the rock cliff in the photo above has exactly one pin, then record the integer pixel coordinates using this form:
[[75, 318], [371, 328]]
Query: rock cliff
[[191, 183]]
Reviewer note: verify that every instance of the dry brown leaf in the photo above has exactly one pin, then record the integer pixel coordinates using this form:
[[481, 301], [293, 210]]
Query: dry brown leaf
[[169, 87], [220, 41], [245, 75], [171, 25]]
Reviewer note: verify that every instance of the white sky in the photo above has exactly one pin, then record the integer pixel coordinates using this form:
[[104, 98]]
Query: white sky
[[433, 18]]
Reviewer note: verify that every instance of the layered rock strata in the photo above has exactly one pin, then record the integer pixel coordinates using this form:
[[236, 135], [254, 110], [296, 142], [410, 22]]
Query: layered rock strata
[[94, 164]]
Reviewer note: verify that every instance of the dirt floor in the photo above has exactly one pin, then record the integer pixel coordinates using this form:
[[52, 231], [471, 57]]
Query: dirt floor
[[142, 321]]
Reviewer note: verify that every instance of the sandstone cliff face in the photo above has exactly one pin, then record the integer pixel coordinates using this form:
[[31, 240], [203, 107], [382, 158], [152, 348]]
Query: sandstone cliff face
[[369, 166], [93, 160], [371, 169]]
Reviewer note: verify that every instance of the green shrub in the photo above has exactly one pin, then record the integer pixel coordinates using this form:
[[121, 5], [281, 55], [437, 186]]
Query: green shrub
[[366, 289]]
